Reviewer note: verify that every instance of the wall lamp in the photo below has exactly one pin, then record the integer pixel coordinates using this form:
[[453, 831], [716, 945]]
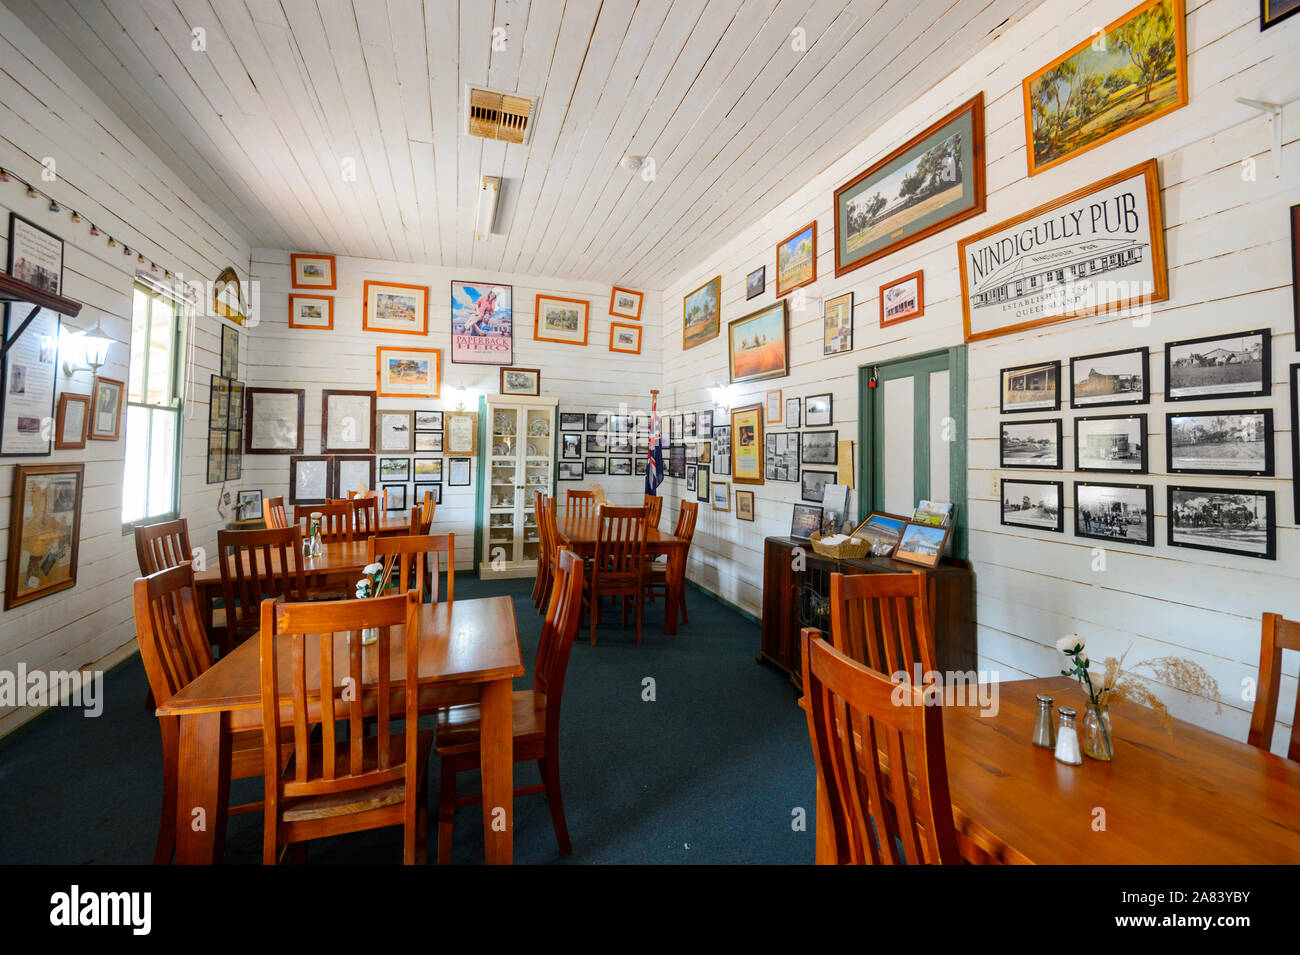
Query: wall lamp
[[86, 350]]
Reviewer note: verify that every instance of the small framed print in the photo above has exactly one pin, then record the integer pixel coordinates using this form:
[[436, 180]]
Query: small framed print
[[643, 424], [1122, 513], [625, 303], [428, 420], [922, 544], [393, 307], [229, 352], [70, 427], [458, 470], [1030, 444], [521, 381], [702, 313], [813, 485], [796, 260], [702, 484], [774, 407], [820, 447], [312, 271], [756, 282], [423, 489], [1220, 442], [235, 414], [745, 505], [1033, 504], [408, 372], [690, 477], [882, 531], [573, 421], [625, 338], [818, 411], [1219, 366], [106, 401], [234, 455], [273, 420], [1224, 520], [1111, 443], [594, 465], [570, 471], [598, 443], [619, 467], [793, 409], [461, 432], [309, 479], [218, 402], [570, 446], [311, 311], [619, 443], [805, 521], [394, 431], [427, 469], [396, 497], [1111, 378], [639, 466], [902, 299], [248, 505], [722, 495], [562, 320], [216, 457], [704, 424], [428, 441], [394, 469], [837, 324], [702, 452], [1031, 388], [598, 421], [347, 421], [353, 472], [688, 426], [44, 531]]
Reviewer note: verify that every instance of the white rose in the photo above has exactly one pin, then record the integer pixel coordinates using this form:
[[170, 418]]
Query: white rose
[[372, 568], [1066, 644]]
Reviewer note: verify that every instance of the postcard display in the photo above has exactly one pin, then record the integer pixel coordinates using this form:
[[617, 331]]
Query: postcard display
[[520, 461]]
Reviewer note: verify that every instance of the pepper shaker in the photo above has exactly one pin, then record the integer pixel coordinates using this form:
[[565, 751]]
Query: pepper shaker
[[1044, 727]]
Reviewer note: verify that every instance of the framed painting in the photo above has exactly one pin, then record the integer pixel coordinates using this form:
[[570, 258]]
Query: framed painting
[[347, 421], [562, 320], [756, 282], [928, 184], [427, 469], [408, 372], [392, 307], [309, 479], [1219, 366], [744, 505], [625, 338], [759, 344], [1224, 520], [837, 324], [1272, 12], [796, 260], [482, 324], [273, 419], [44, 531], [70, 427], [1033, 504], [747, 445], [701, 313], [311, 311], [521, 381], [902, 299], [106, 400], [1111, 378], [1110, 83], [922, 544], [312, 271], [625, 303]]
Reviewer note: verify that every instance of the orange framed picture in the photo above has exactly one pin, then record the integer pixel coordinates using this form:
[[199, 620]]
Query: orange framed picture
[[775, 409], [625, 303], [625, 338], [70, 426], [392, 307], [311, 311], [312, 271], [408, 372], [796, 260], [902, 299], [562, 320]]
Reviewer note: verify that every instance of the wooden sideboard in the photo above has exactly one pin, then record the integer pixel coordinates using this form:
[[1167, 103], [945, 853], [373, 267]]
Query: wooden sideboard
[[793, 599]]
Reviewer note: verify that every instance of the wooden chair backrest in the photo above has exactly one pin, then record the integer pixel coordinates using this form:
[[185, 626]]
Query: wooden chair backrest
[[563, 617], [336, 520], [365, 515], [256, 565], [579, 505], [427, 507], [656, 505], [159, 546], [169, 627], [324, 638], [620, 542], [883, 621], [852, 716], [688, 513], [1278, 634], [273, 511], [409, 551], [547, 533]]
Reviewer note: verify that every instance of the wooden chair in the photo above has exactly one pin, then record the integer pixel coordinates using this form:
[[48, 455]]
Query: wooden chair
[[418, 561], [175, 649], [656, 505], [852, 716], [336, 520], [273, 510], [579, 505], [883, 621], [688, 513], [163, 545], [536, 719], [364, 516], [1278, 635], [544, 515], [365, 781], [256, 565], [618, 568]]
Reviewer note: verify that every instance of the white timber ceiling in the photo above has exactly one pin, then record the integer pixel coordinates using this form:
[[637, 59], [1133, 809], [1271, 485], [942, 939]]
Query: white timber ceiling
[[267, 116]]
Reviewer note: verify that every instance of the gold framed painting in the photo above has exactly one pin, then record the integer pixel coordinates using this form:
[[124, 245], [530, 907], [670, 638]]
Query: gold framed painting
[[44, 531], [759, 344], [747, 445], [393, 307], [701, 313], [562, 320], [1272, 12], [408, 372], [1112, 82], [796, 260]]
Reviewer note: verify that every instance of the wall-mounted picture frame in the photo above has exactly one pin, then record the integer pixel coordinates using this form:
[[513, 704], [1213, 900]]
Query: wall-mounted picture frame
[[29, 369], [598, 443], [721, 495], [1032, 444], [1035, 387], [311, 271], [702, 313], [812, 484], [394, 469], [1033, 504], [758, 344], [273, 420], [310, 479], [218, 402], [922, 544], [722, 449], [395, 495], [1273, 12], [1224, 520], [820, 447], [570, 446], [229, 352], [1110, 83], [70, 425], [902, 299], [35, 255], [311, 312], [704, 424], [619, 467], [107, 398], [427, 470], [619, 443], [347, 421], [625, 338], [44, 531], [458, 472], [805, 520], [796, 260], [756, 282], [598, 421], [1111, 378], [747, 445], [1295, 247], [216, 459], [688, 426], [521, 381], [1237, 365], [394, 431], [395, 308], [793, 412], [570, 471], [819, 411], [433, 489], [482, 324], [428, 441], [744, 505], [837, 325], [1111, 443], [781, 456], [408, 372], [1220, 442], [691, 472], [561, 320], [772, 402], [234, 455], [702, 483], [428, 420], [1120, 513], [625, 303], [573, 421], [594, 465], [235, 409], [461, 433], [353, 472], [929, 183], [703, 455], [1295, 435]]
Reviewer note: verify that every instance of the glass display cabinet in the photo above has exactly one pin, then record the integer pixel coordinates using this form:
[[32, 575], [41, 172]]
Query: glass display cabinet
[[520, 460]]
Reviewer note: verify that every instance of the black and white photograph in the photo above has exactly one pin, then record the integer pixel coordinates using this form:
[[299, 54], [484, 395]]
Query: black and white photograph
[[643, 424], [674, 429], [571, 447], [1031, 388], [620, 466], [704, 425], [1224, 520], [688, 425], [620, 443], [1220, 442], [620, 423], [722, 449], [1111, 443], [573, 421], [428, 421], [598, 421], [1114, 512], [793, 407], [813, 485], [675, 467], [782, 459], [1111, 378], [639, 466], [817, 411], [1218, 366], [1030, 444], [1035, 504], [820, 447], [594, 465], [570, 471], [690, 477], [597, 443]]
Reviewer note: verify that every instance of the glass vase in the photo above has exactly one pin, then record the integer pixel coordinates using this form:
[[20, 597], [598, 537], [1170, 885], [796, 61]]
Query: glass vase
[[1098, 740]]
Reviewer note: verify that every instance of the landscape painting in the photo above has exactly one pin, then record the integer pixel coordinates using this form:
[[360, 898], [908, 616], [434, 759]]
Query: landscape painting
[[701, 312], [1112, 82], [796, 260], [759, 344], [390, 307]]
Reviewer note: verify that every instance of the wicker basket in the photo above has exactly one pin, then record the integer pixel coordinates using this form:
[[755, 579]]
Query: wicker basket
[[850, 549]]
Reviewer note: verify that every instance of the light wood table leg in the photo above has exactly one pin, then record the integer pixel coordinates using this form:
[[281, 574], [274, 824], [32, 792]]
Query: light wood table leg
[[203, 783], [496, 753], [676, 578]]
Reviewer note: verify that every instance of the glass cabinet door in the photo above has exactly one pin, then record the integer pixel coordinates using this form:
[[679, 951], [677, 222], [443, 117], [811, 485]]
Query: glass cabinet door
[[503, 497], [538, 447]]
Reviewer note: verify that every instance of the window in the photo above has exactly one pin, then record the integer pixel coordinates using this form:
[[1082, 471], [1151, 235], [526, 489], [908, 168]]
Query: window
[[151, 478]]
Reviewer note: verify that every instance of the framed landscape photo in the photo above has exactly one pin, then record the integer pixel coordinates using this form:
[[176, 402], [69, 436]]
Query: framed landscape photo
[[759, 344], [819, 411], [1110, 83], [107, 397], [902, 299], [1219, 366], [594, 465], [393, 307], [922, 544], [394, 469], [482, 324], [44, 531], [347, 421], [747, 444], [1224, 520], [309, 479], [521, 381], [625, 303], [428, 420], [353, 472], [408, 372], [311, 311], [1031, 388], [820, 447], [926, 185], [813, 484], [701, 313], [273, 420], [1111, 378], [744, 505], [796, 260], [562, 320], [598, 443], [619, 467], [70, 427], [1123, 513], [1034, 504], [756, 282], [882, 531], [427, 470], [805, 521], [394, 431], [625, 338], [1111, 443], [598, 421], [1220, 442], [428, 441], [570, 471], [312, 271], [837, 324], [1030, 444], [573, 421]]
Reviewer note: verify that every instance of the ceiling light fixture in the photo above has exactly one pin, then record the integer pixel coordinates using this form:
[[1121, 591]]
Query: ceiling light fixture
[[489, 192]]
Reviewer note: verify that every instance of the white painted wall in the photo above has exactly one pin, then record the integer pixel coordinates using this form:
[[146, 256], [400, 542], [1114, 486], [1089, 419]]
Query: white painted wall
[[1228, 249]]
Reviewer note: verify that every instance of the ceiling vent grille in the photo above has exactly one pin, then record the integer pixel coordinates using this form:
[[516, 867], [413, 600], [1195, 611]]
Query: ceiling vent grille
[[499, 116]]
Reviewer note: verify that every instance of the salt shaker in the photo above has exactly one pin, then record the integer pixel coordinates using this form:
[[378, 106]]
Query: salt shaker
[[1067, 738], [1044, 728]]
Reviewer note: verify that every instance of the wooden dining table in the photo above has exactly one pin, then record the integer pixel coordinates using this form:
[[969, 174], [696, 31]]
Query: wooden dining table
[[579, 533], [469, 653], [1188, 797]]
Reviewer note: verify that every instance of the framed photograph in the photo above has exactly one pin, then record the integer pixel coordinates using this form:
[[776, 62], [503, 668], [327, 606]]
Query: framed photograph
[[922, 544], [620, 467], [820, 447], [1031, 388], [704, 424], [28, 376], [676, 465], [744, 505], [312, 271], [570, 446], [107, 397], [598, 443], [881, 529], [70, 427], [1111, 443], [721, 492], [639, 466], [598, 421], [756, 282], [218, 402], [422, 489], [273, 420], [309, 479], [248, 505], [35, 255], [1030, 444], [625, 303], [691, 471], [1220, 442], [1226, 520], [643, 424], [234, 455], [781, 460], [793, 412], [1032, 270], [216, 471], [1114, 512], [521, 381], [928, 184], [1295, 248], [354, 472], [44, 531], [1034, 504], [702, 453], [393, 307], [774, 406], [625, 338], [235, 415], [427, 469], [902, 299], [805, 521], [311, 311], [428, 441], [482, 324], [562, 320], [819, 411], [394, 469], [1272, 12], [1219, 366], [396, 497], [408, 372], [461, 432], [796, 260], [759, 344], [347, 421], [594, 465], [702, 483], [619, 443], [747, 444], [813, 485], [1113, 81], [837, 324], [573, 421], [570, 471], [701, 313], [688, 425], [428, 420], [229, 352], [722, 449], [458, 471], [1111, 378], [394, 430]]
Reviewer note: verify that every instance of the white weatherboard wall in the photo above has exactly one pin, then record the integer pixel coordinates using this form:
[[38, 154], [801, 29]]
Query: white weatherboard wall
[[112, 179], [1228, 247], [586, 379]]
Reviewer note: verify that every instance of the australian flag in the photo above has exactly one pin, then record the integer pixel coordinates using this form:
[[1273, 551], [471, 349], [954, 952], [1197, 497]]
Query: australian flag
[[654, 466]]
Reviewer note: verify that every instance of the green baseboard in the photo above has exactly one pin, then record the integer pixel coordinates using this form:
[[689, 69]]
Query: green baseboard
[[724, 601]]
